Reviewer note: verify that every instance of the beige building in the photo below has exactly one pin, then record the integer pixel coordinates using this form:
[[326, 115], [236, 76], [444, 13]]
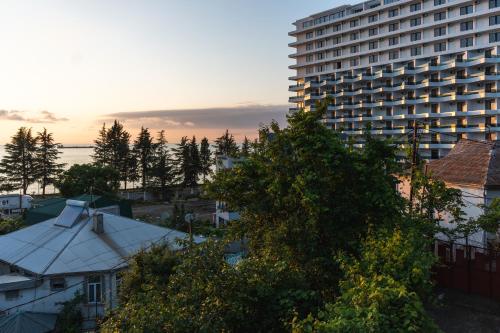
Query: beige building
[[386, 63]]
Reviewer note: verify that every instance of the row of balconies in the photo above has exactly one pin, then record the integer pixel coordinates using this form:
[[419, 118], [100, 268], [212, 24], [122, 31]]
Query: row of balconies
[[475, 113], [407, 130]]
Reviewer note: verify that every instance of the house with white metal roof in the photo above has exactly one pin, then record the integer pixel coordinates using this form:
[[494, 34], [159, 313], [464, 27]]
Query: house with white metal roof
[[82, 250]]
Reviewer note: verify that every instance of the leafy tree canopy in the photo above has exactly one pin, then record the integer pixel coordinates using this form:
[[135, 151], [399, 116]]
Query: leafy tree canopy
[[89, 178]]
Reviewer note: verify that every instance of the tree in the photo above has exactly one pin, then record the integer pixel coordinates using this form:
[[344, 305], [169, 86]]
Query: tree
[[182, 160], [47, 154], [11, 224], [162, 173], [89, 178], [194, 164], [245, 148], [19, 164], [144, 150], [205, 159], [112, 148], [226, 145]]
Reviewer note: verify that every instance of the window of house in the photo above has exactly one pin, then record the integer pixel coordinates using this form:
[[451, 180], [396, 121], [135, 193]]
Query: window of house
[[466, 10], [494, 37], [464, 26], [373, 45], [393, 55], [439, 16], [415, 21], [415, 7], [11, 295], [94, 289], [373, 32], [373, 58], [416, 51], [494, 20], [393, 26], [372, 18], [440, 47], [57, 283], [416, 36], [393, 12], [439, 31], [466, 42], [393, 41]]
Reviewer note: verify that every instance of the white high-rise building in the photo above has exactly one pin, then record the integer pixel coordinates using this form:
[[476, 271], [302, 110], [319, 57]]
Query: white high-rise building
[[386, 63]]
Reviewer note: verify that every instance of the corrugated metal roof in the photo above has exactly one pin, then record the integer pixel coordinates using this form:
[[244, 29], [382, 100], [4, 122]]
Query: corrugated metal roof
[[28, 322], [469, 163], [49, 249]]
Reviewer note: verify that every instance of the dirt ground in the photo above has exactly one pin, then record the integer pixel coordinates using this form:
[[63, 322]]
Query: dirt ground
[[202, 208], [462, 313]]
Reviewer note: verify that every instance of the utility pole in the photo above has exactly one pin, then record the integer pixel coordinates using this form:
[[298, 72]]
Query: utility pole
[[413, 162]]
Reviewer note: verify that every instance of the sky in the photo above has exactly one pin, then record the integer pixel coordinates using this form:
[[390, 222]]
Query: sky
[[191, 67]]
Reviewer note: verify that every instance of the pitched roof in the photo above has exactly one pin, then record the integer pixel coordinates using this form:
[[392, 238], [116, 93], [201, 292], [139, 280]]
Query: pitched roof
[[49, 249], [28, 322], [470, 163]]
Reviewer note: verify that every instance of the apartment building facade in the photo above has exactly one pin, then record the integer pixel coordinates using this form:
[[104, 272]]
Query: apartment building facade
[[388, 63]]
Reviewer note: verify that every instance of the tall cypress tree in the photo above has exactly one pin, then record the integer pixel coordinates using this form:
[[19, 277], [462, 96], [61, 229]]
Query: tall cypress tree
[[245, 148], [182, 161], [47, 154], [101, 147], [205, 158], [144, 152], [19, 163], [194, 165], [162, 169]]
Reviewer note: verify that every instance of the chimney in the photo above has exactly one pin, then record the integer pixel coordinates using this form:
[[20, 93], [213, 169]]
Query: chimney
[[98, 223]]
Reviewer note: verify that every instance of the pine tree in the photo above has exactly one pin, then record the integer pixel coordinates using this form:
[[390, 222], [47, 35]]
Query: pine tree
[[226, 145], [47, 154], [182, 161], [245, 148], [101, 147], [144, 152], [162, 169], [194, 164], [205, 158], [19, 164]]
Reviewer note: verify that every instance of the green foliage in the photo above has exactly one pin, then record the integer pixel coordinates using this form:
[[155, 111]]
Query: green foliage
[[47, 154], [188, 162], [245, 148], [206, 160], [144, 150], [383, 290], [88, 178], [19, 165], [226, 145], [162, 173], [11, 224], [70, 319]]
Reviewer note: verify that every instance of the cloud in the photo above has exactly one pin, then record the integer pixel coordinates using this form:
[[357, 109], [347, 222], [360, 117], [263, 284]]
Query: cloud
[[242, 116], [43, 117]]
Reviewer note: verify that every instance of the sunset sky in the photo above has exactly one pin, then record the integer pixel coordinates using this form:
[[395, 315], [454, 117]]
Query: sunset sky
[[188, 66]]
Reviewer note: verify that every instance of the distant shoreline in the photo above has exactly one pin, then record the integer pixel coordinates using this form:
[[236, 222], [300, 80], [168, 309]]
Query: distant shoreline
[[72, 147]]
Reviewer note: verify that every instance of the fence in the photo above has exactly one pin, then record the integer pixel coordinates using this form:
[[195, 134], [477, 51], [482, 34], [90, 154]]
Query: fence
[[468, 268]]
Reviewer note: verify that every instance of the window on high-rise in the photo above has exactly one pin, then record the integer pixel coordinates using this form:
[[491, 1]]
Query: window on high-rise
[[337, 52], [373, 45], [466, 10], [439, 2], [494, 20], [309, 35], [393, 55], [393, 12], [440, 47], [441, 31], [309, 46], [393, 41], [354, 23], [494, 37], [372, 18], [393, 26], [465, 26], [494, 3], [354, 49], [434, 108], [416, 36], [373, 32], [467, 42], [320, 56], [416, 51], [354, 36], [320, 44], [440, 16], [415, 21], [309, 58], [354, 62], [373, 58], [415, 7], [320, 32]]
